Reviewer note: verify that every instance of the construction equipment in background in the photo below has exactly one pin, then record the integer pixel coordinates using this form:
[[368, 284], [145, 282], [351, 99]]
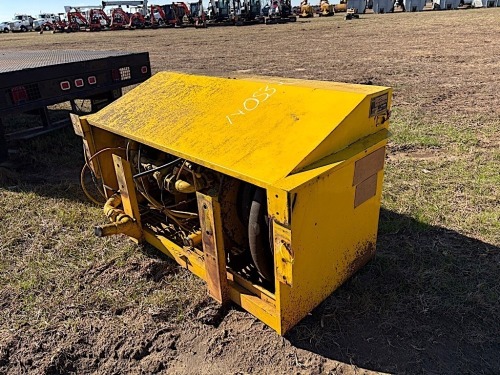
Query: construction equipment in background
[[123, 20], [57, 24], [250, 12], [219, 13], [341, 7], [141, 6], [386, 6], [280, 11], [445, 4], [414, 5], [272, 216], [136, 21], [177, 14], [76, 20], [355, 7], [326, 9], [351, 13], [45, 21], [98, 20], [157, 17], [171, 18], [306, 10], [119, 19], [182, 14], [198, 14]]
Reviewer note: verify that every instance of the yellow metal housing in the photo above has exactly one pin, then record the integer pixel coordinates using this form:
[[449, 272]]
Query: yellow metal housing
[[306, 11], [326, 9], [317, 148]]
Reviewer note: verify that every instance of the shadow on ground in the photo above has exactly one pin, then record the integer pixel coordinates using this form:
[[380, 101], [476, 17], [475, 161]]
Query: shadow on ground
[[48, 165], [428, 303]]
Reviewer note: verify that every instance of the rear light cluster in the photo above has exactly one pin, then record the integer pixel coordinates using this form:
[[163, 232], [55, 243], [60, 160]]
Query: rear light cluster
[[79, 82], [26, 93], [121, 74], [23, 94]]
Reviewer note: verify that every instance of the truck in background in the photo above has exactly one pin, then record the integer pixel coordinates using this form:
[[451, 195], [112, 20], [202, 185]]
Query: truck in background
[[44, 19], [21, 23]]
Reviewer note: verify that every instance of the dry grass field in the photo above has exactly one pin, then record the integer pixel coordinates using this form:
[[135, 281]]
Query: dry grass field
[[428, 304]]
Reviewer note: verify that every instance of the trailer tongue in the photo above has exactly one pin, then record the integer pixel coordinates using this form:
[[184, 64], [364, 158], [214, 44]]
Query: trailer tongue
[[32, 80]]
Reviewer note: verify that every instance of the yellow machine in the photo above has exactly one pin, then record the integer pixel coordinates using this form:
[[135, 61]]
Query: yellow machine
[[306, 11], [247, 183], [341, 7], [326, 9]]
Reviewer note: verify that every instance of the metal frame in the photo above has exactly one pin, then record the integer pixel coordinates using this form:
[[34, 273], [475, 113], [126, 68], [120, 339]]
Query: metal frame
[[43, 71]]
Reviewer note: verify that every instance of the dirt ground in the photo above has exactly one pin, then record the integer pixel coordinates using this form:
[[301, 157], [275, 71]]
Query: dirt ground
[[428, 304]]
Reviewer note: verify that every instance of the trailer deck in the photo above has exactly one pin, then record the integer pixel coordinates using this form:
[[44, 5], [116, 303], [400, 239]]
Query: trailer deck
[[32, 80]]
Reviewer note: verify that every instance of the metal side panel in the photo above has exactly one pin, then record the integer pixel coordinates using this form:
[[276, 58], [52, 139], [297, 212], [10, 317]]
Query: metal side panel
[[333, 232]]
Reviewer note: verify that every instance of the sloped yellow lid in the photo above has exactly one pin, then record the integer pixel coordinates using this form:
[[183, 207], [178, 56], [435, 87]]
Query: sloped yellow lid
[[262, 128]]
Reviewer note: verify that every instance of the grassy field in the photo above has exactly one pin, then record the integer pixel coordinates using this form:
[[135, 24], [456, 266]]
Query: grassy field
[[428, 303]]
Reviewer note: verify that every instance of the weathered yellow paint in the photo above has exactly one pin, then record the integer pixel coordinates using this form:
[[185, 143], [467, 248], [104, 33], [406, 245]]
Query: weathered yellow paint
[[283, 250], [121, 222], [330, 238], [213, 247], [127, 188], [300, 140], [234, 125], [189, 260]]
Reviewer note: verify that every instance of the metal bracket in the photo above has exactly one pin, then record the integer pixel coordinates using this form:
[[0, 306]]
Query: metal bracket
[[127, 192], [284, 254], [213, 247]]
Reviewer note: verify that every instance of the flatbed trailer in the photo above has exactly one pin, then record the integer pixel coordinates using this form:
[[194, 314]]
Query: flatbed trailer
[[32, 80]]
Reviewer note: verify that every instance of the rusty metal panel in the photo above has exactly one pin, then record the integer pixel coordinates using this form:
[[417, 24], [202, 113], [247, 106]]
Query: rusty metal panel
[[127, 188], [283, 254], [213, 247]]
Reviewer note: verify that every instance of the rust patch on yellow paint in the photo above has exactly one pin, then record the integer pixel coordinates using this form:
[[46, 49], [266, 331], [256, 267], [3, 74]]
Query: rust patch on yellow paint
[[363, 254]]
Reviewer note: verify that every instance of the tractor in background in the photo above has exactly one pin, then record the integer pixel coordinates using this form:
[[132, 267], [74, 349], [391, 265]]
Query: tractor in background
[[98, 20], [306, 10], [326, 9], [280, 11]]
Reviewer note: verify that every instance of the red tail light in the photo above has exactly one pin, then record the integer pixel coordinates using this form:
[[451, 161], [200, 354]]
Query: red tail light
[[65, 85], [79, 82], [19, 94]]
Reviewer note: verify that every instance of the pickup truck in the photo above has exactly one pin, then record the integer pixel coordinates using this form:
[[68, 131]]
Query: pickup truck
[[4, 27]]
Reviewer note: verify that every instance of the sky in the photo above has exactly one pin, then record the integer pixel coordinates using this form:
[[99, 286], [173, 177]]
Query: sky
[[34, 7]]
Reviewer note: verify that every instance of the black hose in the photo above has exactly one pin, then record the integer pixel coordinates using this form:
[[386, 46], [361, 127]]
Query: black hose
[[258, 239]]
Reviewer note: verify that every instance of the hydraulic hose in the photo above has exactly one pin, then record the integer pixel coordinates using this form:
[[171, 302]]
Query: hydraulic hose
[[120, 221]]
